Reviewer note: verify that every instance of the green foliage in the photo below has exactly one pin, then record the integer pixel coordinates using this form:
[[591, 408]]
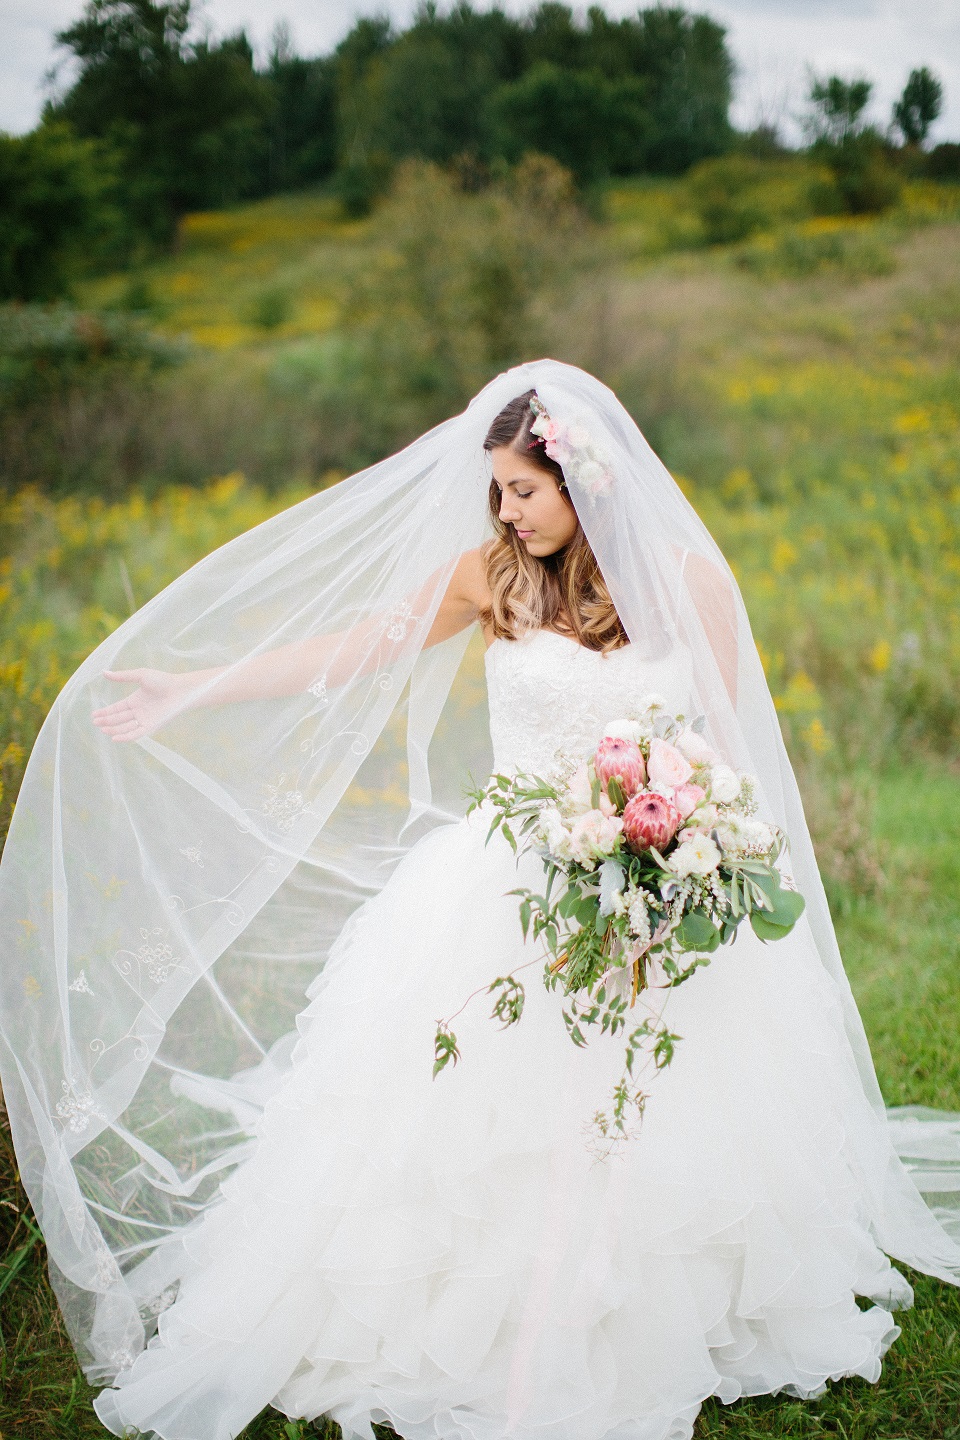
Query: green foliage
[[811, 250], [192, 123], [837, 107], [725, 195], [943, 162], [592, 125], [47, 351], [918, 106], [452, 290], [689, 72], [57, 211], [186, 118], [272, 307], [865, 180]]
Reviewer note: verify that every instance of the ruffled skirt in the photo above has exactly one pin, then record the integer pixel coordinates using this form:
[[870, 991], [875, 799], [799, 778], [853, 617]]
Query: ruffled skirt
[[452, 1257]]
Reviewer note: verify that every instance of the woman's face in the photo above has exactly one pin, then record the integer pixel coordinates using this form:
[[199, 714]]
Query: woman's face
[[532, 502]]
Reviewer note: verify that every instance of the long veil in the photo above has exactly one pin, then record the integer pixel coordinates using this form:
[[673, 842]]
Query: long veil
[[167, 903]]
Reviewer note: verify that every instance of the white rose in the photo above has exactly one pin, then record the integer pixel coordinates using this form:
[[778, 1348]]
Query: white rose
[[731, 834], [697, 856], [724, 784], [757, 834], [593, 836], [555, 834], [660, 789], [577, 798], [594, 477], [624, 730], [694, 748]]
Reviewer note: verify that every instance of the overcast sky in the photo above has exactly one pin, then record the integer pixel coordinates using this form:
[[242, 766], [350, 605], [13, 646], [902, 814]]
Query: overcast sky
[[774, 43]]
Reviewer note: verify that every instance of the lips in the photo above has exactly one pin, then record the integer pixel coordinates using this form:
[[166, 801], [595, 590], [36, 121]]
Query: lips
[[524, 534]]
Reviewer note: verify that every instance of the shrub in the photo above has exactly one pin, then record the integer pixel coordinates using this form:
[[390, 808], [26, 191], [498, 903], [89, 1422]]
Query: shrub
[[943, 162], [815, 248], [456, 287], [725, 196], [45, 351], [866, 179], [56, 211]]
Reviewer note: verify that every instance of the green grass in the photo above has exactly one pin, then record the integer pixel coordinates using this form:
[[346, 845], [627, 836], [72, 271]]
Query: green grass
[[902, 951]]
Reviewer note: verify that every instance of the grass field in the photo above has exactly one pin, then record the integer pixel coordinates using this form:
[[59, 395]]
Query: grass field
[[804, 387]]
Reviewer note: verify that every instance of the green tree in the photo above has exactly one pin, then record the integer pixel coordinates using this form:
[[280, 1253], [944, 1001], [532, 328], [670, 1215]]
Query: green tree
[[189, 118], [593, 126], [56, 210], [918, 106], [837, 108], [689, 74], [302, 119]]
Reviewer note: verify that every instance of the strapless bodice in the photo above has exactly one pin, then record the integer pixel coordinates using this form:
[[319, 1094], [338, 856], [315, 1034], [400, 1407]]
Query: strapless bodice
[[548, 693]]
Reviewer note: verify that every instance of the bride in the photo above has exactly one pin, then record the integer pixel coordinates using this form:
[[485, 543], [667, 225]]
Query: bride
[[245, 1205]]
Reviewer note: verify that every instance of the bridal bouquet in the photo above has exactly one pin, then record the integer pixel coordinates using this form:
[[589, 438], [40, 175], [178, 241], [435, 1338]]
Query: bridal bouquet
[[654, 858]]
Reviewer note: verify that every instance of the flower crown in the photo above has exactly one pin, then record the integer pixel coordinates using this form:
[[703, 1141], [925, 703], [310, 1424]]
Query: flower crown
[[572, 449]]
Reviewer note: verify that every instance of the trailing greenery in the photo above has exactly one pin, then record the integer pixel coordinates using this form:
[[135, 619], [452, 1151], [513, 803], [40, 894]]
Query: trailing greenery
[[902, 956]]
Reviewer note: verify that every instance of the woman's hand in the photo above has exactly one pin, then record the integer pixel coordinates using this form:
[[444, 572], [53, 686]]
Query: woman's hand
[[159, 696]]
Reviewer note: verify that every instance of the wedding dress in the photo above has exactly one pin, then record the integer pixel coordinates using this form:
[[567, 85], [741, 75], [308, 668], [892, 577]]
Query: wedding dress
[[451, 1256]]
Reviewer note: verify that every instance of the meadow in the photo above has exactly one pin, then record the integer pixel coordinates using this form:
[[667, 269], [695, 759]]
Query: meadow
[[801, 382]]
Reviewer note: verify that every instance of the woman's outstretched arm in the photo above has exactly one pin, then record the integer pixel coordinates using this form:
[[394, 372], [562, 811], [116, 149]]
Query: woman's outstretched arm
[[288, 669]]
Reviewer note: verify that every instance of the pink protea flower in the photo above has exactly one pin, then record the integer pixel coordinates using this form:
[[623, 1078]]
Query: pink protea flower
[[650, 819], [621, 759]]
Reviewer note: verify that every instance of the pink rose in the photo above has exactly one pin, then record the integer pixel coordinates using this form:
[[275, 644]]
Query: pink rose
[[649, 820], [687, 797], [620, 759], [666, 765]]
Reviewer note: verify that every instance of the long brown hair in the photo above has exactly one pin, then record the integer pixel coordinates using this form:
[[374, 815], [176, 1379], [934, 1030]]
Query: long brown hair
[[562, 591]]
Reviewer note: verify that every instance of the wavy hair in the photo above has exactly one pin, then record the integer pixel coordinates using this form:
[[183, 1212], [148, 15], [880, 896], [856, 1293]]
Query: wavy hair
[[565, 591]]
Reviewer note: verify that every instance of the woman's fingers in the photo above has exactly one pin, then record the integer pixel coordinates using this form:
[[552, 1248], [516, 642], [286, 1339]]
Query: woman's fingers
[[121, 730], [122, 675], [136, 734], [119, 707]]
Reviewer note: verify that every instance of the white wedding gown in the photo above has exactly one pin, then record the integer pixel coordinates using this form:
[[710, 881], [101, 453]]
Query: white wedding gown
[[449, 1256]]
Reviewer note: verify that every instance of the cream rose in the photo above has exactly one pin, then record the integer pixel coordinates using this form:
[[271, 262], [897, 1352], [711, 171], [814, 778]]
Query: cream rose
[[593, 836], [666, 765], [695, 748]]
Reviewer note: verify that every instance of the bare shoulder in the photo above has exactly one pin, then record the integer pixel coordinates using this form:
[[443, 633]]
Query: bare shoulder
[[469, 579]]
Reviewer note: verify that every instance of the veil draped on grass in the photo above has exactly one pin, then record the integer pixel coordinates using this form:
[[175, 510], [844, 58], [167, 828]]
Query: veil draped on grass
[[166, 903]]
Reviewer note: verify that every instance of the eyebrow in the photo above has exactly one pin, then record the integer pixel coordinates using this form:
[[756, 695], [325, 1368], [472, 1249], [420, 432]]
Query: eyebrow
[[523, 480]]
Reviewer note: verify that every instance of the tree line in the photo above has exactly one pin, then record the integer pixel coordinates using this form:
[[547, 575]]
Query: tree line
[[159, 121]]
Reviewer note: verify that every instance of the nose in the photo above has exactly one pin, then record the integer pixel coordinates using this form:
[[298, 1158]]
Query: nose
[[508, 507]]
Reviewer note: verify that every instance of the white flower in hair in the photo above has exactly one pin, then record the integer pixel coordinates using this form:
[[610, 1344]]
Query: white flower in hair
[[574, 450]]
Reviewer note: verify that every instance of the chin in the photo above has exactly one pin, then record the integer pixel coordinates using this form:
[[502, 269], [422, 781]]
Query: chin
[[541, 548]]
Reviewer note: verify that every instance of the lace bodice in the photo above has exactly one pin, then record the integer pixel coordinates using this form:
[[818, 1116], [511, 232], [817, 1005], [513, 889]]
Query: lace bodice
[[548, 693]]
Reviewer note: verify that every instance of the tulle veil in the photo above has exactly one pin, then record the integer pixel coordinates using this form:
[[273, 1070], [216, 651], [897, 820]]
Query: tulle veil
[[166, 904]]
